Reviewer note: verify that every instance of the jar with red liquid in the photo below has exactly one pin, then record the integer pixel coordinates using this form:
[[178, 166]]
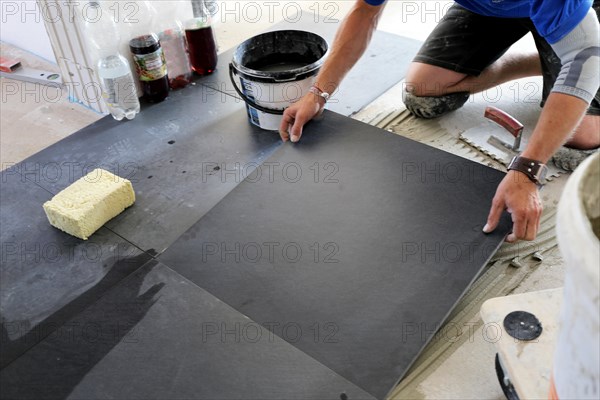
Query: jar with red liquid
[[171, 34], [173, 42], [202, 47]]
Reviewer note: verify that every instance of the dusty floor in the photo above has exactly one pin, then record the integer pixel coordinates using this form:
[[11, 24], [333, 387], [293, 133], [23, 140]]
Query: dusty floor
[[33, 117]]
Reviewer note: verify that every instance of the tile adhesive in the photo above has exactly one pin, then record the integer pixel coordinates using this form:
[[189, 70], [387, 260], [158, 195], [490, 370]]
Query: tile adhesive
[[272, 70]]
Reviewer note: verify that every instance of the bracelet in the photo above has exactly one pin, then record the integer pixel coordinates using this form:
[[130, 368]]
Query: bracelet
[[318, 92]]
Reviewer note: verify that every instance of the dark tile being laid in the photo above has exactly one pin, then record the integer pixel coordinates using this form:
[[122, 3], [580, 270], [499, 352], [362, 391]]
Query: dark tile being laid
[[46, 275], [365, 237], [158, 336], [383, 65], [175, 154]]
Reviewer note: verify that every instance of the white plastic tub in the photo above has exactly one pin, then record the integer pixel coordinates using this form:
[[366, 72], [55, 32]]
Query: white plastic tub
[[576, 368]]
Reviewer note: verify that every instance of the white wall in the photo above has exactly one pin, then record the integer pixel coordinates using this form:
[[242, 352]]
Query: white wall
[[22, 25]]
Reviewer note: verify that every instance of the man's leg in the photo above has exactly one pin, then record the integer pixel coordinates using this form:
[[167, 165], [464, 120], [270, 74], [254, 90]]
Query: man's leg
[[432, 91], [429, 80], [587, 134], [582, 144], [461, 56]]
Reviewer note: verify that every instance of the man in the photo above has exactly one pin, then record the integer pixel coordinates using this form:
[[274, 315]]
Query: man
[[465, 54]]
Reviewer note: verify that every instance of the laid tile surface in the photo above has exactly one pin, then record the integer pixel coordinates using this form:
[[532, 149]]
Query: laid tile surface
[[360, 234], [46, 275], [168, 151], [157, 335]]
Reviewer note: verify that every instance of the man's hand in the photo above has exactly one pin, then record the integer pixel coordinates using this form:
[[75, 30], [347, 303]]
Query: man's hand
[[519, 196], [298, 114]]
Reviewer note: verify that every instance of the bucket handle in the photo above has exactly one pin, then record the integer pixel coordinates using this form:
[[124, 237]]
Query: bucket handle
[[247, 99]]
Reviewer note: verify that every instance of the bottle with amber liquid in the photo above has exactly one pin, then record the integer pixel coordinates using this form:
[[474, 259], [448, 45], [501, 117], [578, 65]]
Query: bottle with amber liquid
[[151, 67], [202, 47]]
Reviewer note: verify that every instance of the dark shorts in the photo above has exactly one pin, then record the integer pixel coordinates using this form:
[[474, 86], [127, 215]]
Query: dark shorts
[[468, 43]]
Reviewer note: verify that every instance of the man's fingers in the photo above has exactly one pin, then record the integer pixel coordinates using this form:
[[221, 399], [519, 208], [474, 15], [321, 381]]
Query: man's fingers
[[296, 132], [533, 224], [284, 127], [494, 216], [297, 127], [531, 231], [519, 230]]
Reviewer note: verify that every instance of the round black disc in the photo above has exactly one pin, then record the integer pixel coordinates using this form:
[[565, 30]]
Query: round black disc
[[522, 325]]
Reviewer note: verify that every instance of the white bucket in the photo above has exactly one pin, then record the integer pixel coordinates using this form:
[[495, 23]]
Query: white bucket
[[576, 369], [272, 70]]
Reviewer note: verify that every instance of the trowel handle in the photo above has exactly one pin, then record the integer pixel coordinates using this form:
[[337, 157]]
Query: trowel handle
[[505, 120]]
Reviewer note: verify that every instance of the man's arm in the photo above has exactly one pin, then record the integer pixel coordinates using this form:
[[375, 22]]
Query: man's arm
[[349, 45], [516, 193], [565, 107]]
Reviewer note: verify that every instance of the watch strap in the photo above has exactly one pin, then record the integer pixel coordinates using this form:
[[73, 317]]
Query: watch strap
[[533, 169]]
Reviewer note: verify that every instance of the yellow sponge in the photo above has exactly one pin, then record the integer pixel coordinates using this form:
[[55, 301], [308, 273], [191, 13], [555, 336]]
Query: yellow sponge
[[87, 204]]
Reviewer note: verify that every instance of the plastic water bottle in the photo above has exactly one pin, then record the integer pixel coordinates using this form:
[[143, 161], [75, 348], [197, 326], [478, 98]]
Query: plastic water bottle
[[118, 87], [116, 80]]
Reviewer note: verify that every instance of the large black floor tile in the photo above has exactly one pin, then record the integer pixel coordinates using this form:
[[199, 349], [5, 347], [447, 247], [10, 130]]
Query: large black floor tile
[[47, 276], [159, 336], [366, 237]]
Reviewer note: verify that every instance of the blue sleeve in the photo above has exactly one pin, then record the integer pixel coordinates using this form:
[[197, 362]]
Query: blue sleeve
[[554, 19], [374, 2]]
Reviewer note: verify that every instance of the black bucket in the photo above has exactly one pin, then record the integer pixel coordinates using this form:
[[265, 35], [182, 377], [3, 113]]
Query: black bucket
[[272, 70]]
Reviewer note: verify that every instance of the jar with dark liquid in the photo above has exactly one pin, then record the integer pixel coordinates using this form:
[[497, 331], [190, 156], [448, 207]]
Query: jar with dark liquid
[[151, 67], [202, 47]]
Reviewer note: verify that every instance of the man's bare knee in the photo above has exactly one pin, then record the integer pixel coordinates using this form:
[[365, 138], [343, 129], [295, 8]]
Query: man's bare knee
[[429, 80]]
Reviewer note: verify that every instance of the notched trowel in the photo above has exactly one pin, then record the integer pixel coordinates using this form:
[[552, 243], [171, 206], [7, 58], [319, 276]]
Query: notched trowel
[[500, 138]]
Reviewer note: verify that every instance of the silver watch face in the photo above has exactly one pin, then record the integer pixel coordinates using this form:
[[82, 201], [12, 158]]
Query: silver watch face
[[541, 174]]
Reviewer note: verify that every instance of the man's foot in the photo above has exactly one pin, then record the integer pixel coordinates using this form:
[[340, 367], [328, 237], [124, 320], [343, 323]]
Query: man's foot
[[432, 107], [569, 159]]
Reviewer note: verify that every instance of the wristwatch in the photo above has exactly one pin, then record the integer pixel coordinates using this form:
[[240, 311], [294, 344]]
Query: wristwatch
[[534, 170]]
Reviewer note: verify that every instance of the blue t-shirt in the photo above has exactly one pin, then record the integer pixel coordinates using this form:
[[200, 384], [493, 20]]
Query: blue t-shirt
[[553, 19]]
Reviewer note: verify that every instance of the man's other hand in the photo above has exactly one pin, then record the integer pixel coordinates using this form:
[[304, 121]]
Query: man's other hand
[[519, 196]]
